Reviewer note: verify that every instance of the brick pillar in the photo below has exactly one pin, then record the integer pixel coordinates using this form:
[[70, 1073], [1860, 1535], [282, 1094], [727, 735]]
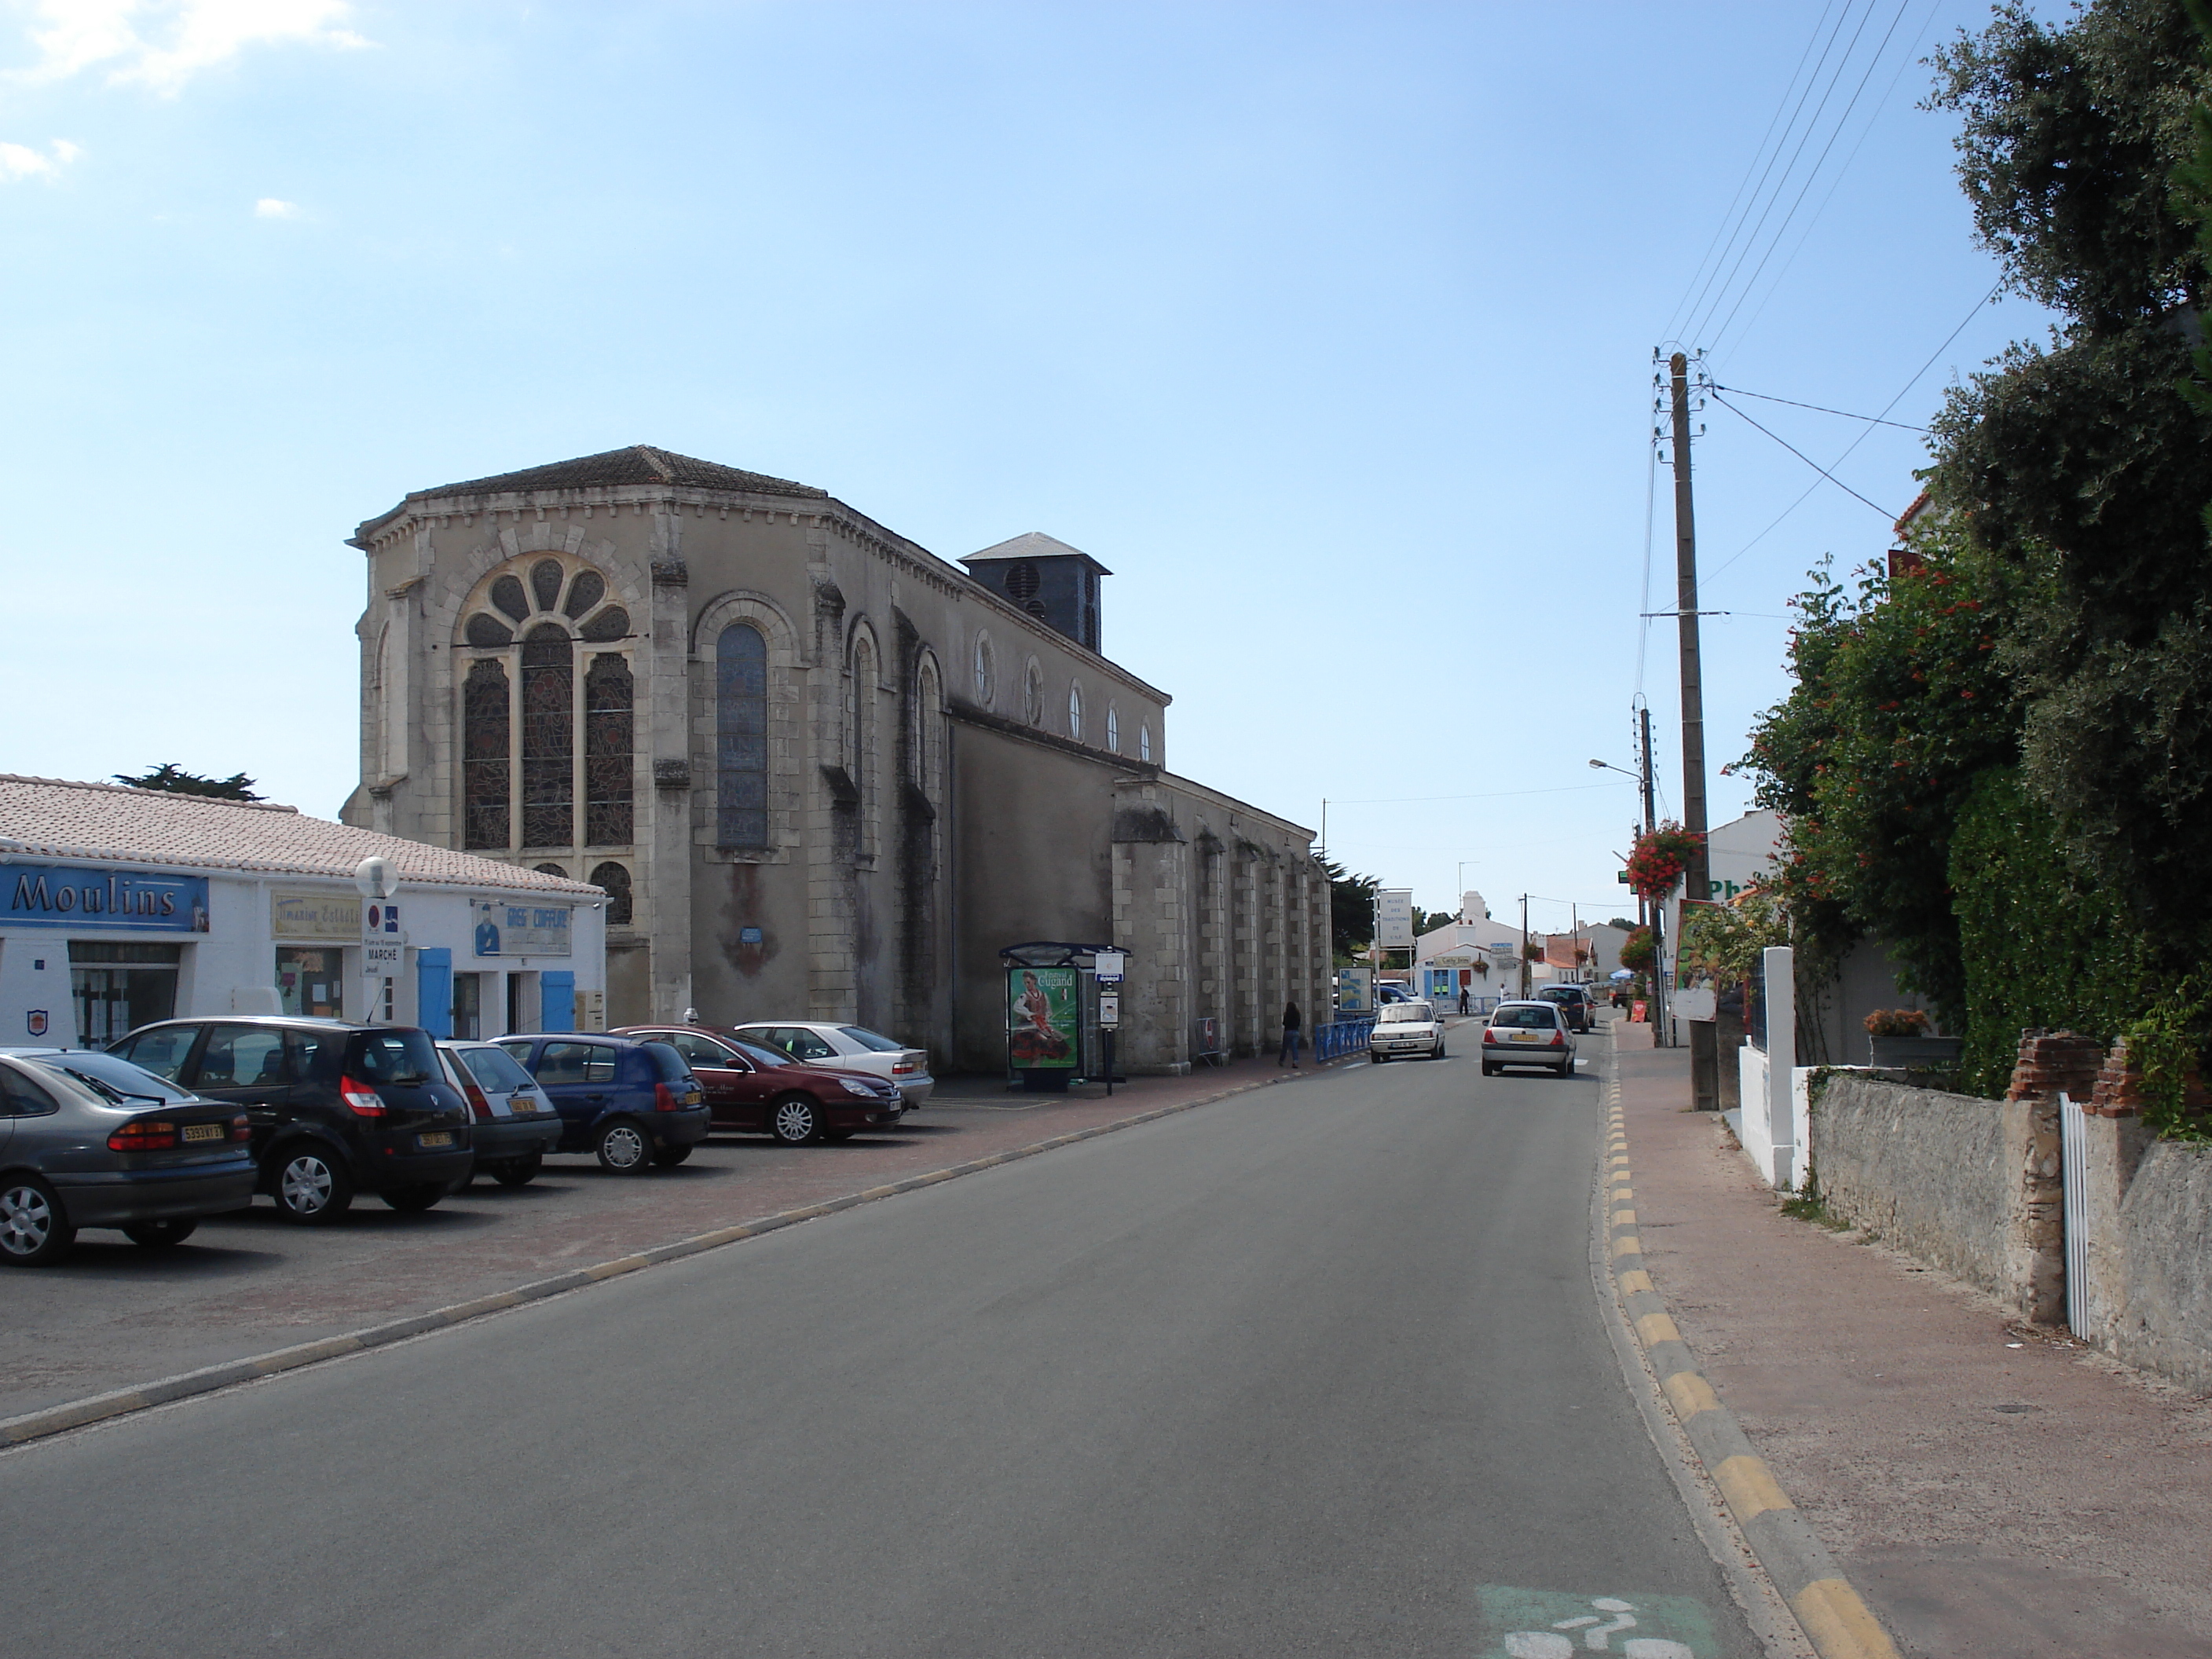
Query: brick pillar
[[2049, 1063]]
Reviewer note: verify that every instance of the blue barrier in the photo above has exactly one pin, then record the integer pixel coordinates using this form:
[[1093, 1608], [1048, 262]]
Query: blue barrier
[[1342, 1036]]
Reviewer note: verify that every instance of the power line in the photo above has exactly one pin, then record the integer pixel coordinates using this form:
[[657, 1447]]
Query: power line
[[1807, 459], [1842, 121], [1769, 397], [1495, 794]]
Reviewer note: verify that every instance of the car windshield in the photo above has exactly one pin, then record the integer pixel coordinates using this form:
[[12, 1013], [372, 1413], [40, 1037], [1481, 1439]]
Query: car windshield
[[1526, 1018], [1399, 1013], [402, 1054], [667, 1065], [761, 1056], [113, 1079], [494, 1068], [867, 1039]]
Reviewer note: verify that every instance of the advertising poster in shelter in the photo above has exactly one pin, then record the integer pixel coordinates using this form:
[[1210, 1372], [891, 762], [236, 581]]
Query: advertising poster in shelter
[[1044, 1012]]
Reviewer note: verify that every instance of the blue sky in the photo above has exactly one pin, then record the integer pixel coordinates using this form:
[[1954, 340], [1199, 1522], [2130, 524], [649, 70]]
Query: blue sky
[[1328, 328]]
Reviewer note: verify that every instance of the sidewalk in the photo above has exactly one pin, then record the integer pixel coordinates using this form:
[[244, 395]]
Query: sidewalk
[[113, 1317], [1994, 1490]]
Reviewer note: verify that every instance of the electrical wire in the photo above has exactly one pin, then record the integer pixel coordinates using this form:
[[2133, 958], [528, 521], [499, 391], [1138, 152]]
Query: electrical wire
[[1763, 397], [1842, 121], [1494, 794], [1807, 459]]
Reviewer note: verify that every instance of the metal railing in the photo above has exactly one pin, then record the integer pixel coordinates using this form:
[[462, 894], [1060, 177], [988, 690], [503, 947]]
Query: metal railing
[[1342, 1036]]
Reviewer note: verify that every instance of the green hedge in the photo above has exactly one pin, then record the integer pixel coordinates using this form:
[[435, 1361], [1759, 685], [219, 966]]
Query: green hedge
[[2041, 945]]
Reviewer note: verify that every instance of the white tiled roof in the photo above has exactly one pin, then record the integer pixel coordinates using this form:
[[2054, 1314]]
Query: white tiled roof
[[53, 817]]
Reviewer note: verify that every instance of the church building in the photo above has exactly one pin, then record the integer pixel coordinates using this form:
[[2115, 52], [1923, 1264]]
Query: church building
[[820, 773]]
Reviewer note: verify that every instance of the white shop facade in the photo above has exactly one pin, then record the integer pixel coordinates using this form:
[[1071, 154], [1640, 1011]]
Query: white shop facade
[[120, 907]]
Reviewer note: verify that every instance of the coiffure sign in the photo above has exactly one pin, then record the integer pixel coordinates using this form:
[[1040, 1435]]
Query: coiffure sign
[[56, 896]]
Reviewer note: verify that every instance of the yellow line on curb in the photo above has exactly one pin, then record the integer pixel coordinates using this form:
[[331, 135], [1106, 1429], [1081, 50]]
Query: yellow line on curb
[[1842, 1625], [1627, 1244], [1750, 1487], [626, 1264], [1624, 1216], [1689, 1393], [1635, 1280], [1656, 1327]]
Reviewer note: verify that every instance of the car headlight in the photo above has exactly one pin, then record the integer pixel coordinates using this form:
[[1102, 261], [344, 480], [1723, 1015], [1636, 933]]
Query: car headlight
[[854, 1086]]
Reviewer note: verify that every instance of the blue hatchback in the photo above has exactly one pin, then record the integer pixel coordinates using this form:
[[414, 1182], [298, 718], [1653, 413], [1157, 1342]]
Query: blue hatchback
[[630, 1104]]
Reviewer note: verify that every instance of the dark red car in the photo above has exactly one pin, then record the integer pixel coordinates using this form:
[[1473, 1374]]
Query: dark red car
[[756, 1090]]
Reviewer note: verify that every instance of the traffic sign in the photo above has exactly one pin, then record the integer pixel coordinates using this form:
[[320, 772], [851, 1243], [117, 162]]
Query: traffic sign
[[1108, 966]]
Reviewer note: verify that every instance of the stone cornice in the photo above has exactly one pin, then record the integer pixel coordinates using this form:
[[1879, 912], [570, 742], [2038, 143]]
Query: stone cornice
[[968, 715]]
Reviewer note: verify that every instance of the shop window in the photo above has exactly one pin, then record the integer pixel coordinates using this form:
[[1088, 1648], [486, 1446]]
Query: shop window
[[311, 981], [741, 738], [607, 693], [484, 751], [615, 880], [548, 738], [119, 987]]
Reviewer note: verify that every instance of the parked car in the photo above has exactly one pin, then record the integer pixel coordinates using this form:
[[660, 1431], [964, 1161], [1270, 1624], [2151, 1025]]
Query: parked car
[[515, 1123], [1406, 1028], [632, 1105], [337, 1108], [90, 1140], [1388, 991], [850, 1049], [1574, 1001], [1532, 1033], [753, 1089]]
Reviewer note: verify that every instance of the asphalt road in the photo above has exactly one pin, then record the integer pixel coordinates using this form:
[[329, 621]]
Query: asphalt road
[[1311, 1370]]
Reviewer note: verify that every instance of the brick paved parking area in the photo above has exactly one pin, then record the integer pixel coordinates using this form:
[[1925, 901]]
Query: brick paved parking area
[[112, 1315]]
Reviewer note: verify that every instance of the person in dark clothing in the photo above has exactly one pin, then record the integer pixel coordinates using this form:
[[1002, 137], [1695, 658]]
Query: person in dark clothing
[[1462, 1000], [1292, 1031]]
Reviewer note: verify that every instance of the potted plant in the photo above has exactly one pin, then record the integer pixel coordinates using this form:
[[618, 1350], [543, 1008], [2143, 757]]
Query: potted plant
[[1898, 1040]]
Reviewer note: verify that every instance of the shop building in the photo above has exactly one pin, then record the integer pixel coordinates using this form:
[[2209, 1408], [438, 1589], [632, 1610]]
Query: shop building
[[121, 906]]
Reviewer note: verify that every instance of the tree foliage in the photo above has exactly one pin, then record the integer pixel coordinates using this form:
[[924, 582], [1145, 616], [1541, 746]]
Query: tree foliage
[[1351, 909], [174, 780]]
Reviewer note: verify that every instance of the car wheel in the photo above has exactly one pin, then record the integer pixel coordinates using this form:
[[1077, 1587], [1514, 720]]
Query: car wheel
[[312, 1189], [1375, 1059], [159, 1235], [519, 1171], [1437, 1053], [667, 1157], [34, 1232], [1488, 1069], [622, 1148], [795, 1121], [1566, 1068], [413, 1199]]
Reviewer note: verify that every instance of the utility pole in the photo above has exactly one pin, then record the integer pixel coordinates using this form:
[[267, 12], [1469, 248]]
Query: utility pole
[[1524, 946], [1704, 1070]]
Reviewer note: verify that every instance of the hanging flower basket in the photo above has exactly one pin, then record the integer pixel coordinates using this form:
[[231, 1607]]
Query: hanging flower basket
[[1659, 860]]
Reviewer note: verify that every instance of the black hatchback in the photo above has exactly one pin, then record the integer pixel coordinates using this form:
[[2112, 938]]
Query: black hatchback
[[336, 1107]]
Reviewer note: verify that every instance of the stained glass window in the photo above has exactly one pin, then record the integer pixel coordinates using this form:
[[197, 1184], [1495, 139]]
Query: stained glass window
[[548, 738], [587, 591], [546, 582], [484, 756], [506, 593], [611, 623], [607, 726], [489, 632], [741, 738], [615, 880]]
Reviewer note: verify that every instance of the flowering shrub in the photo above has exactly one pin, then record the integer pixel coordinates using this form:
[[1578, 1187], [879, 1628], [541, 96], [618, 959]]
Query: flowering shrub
[[1636, 951], [1897, 1023], [1660, 857]]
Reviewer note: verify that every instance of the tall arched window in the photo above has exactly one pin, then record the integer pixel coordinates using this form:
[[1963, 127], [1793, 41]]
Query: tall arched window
[[864, 739], [1033, 694], [548, 738], [1112, 728], [929, 737], [987, 677], [616, 879], [741, 738], [607, 728], [1145, 741], [484, 755], [1075, 712]]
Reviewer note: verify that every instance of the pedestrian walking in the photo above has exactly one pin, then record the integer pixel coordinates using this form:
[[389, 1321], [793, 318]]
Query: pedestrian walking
[[1292, 1031], [1463, 1000]]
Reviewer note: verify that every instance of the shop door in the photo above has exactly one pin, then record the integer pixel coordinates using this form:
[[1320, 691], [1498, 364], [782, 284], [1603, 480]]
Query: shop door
[[117, 988]]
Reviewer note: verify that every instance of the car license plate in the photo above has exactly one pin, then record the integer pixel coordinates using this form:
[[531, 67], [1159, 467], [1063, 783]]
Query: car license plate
[[1524, 1036], [204, 1132], [435, 1138], [521, 1105], [693, 1098]]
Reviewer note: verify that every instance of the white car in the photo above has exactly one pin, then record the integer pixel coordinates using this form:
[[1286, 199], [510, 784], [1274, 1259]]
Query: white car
[[1529, 1033], [848, 1047], [1406, 1028]]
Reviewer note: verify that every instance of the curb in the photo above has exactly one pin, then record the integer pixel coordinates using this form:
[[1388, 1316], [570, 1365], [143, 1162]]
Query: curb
[[123, 1402], [1835, 1617]]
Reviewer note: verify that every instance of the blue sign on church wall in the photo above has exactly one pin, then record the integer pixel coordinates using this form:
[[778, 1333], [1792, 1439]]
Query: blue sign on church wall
[[58, 896]]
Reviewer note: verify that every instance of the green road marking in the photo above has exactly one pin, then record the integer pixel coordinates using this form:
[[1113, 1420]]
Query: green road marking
[[1532, 1624]]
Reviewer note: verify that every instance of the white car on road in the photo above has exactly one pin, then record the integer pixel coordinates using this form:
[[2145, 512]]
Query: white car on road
[[850, 1049], [1406, 1028]]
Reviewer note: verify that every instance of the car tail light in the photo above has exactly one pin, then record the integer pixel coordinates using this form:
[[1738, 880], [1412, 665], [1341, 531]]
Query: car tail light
[[241, 1128], [363, 1101], [665, 1099], [478, 1104], [1559, 1038], [141, 1136], [901, 1067]]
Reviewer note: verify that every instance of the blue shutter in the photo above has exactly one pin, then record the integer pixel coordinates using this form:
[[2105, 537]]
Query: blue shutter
[[434, 991], [558, 1004]]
